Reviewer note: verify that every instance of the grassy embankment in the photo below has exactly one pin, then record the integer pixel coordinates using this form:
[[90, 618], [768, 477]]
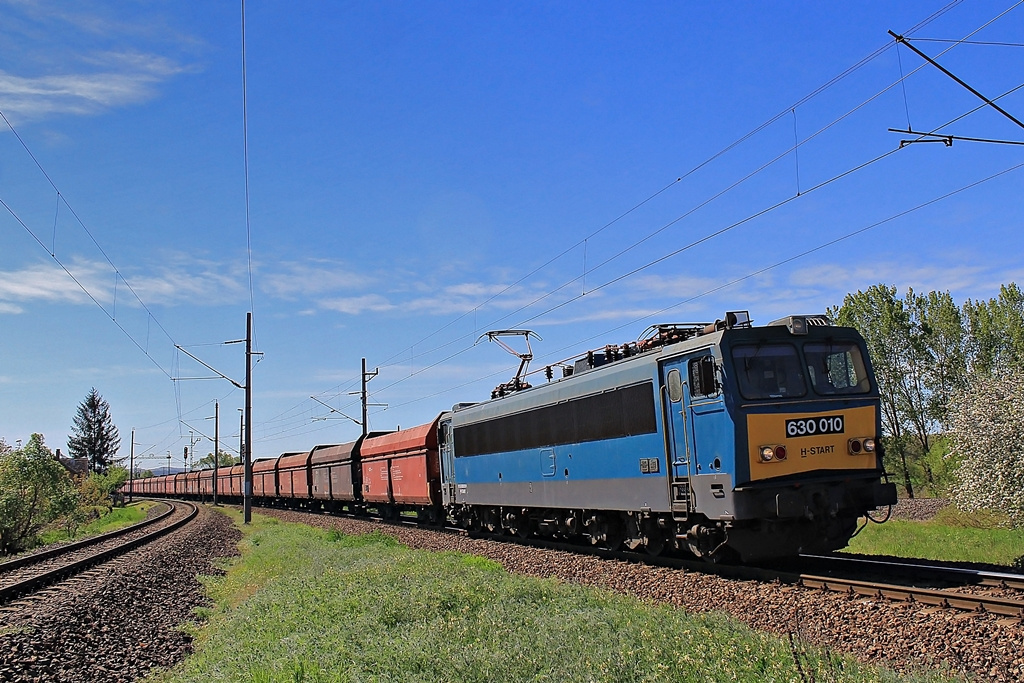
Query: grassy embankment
[[115, 519], [950, 536], [302, 604]]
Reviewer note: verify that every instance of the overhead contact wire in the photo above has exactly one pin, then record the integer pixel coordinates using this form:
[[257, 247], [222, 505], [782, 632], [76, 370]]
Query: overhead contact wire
[[852, 69]]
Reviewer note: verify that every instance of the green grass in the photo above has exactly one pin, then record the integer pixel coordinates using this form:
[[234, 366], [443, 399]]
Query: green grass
[[950, 536], [116, 519], [304, 605]]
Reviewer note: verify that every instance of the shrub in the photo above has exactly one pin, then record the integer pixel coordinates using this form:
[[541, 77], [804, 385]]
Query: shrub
[[987, 439]]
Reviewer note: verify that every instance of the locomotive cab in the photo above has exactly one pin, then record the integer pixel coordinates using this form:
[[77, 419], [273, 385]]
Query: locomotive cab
[[774, 439]]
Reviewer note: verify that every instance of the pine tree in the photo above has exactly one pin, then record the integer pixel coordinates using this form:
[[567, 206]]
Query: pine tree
[[95, 436]]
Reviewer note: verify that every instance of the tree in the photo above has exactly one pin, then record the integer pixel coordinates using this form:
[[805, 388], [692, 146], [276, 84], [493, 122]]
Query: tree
[[883, 320], [98, 489], [224, 459], [35, 489], [945, 340], [987, 435], [95, 436], [996, 331]]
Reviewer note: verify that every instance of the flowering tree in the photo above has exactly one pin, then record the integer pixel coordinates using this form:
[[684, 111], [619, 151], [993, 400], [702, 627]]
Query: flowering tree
[[987, 438]]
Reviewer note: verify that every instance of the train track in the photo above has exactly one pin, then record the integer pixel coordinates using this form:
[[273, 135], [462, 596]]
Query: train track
[[30, 573], [938, 586]]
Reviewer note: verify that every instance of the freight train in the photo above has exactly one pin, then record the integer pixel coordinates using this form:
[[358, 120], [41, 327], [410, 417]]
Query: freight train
[[724, 440]]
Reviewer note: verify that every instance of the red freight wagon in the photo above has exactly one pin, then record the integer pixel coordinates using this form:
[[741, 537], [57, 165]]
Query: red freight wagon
[[264, 478], [177, 488], [331, 472], [234, 486], [293, 475], [206, 483], [223, 481], [402, 467], [192, 483]]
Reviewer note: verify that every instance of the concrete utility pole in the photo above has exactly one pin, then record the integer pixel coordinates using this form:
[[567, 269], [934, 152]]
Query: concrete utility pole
[[131, 469], [367, 376], [247, 499], [216, 447]]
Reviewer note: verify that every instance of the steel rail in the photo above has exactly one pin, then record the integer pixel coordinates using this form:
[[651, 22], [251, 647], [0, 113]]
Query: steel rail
[[956, 576], [928, 596], [34, 558], [13, 591]]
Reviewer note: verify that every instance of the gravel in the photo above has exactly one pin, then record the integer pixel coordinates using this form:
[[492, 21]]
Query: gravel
[[918, 509], [119, 621], [901, 636]]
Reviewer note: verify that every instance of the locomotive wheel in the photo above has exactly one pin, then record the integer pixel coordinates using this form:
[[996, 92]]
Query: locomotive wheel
[[654, 545], [517, 531], [614, 538]]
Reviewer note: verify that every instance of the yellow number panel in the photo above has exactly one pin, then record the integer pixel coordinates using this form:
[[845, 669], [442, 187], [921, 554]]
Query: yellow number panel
[[813, 441]]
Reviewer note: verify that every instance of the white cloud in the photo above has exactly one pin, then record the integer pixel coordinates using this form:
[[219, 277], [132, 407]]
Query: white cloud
[[78, 58], [313, 277], [677, 286], [358, 304], [193, 282], [10, 308], [84, 93], [203, 283], [47, 283]]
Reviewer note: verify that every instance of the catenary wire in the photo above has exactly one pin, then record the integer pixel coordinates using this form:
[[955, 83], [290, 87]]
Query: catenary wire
[[814, 93], [709, 236], [784, 154], [760, 271]]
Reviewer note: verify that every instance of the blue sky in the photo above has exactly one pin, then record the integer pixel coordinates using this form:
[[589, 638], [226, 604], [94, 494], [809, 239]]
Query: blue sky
[[420, 173]]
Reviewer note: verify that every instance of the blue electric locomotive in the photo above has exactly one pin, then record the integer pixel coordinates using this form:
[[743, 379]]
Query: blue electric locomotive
[[720, 439]]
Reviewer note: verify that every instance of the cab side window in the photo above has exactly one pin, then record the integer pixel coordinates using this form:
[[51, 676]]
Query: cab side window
[[703, 378]]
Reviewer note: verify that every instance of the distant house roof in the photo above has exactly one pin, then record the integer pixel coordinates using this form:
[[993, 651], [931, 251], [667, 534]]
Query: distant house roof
[[76, 466]]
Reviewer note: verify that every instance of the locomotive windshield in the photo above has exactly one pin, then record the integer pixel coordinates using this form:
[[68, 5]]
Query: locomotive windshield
[[836, 368], [769, 371], [774, 371]]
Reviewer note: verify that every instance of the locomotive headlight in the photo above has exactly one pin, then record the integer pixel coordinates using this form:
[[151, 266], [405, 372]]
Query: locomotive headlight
[[869, 445], [767, 453]]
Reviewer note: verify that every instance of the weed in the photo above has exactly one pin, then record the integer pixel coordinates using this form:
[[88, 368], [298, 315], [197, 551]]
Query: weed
[[979, 519]]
